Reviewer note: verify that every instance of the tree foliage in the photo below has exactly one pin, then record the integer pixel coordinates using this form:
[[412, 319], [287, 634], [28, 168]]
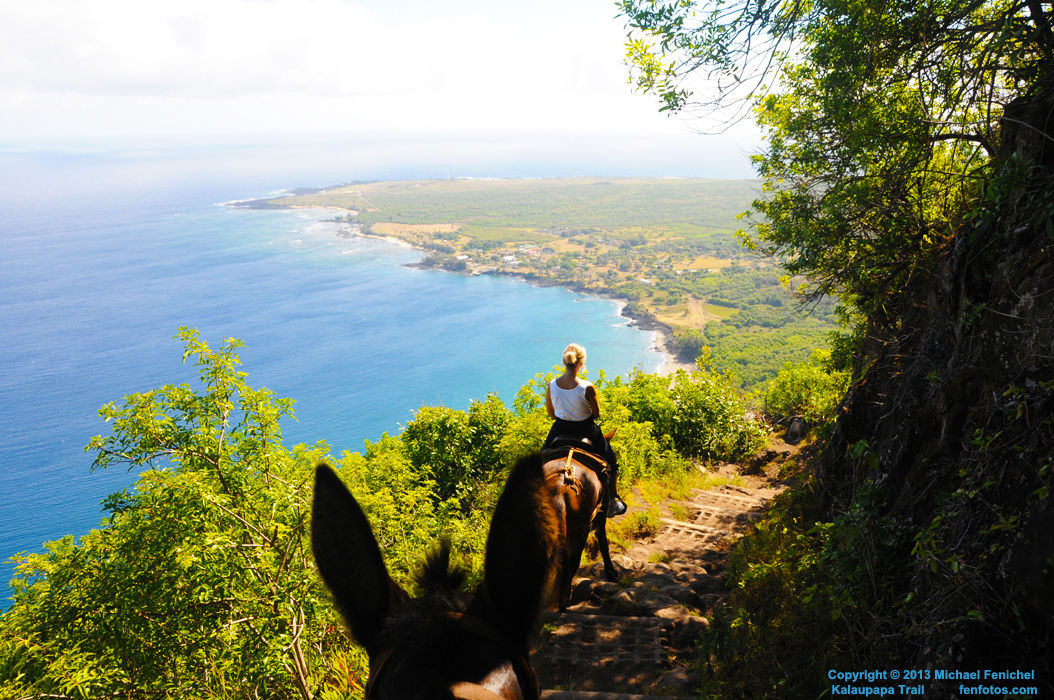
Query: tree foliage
[[457, 450], [699, 414], [808, 389], [689, 344], [200, 581], [882, 121]]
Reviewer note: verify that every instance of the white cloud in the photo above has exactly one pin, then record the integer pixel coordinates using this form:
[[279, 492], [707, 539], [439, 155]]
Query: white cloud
[[231, 48], [82, 68]]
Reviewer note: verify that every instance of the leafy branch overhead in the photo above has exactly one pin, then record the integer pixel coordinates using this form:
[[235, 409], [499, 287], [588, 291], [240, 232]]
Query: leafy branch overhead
[[882, 121]]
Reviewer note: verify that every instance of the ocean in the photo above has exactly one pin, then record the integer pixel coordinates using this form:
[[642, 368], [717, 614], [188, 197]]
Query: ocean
[[106, 253]]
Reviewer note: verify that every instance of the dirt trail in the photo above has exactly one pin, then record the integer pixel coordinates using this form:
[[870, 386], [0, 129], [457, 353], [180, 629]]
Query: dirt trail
[[696, 317], [633, 640]]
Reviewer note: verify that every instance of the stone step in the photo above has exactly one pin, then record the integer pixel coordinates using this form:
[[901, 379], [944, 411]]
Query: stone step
[[550, 617], [685, 536], [697, 508], [606, 639], [706, 529], [736, 499]]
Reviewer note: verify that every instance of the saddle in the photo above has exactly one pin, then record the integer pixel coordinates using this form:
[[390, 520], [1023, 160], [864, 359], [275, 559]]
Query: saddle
[[582, 450], [570, 450]]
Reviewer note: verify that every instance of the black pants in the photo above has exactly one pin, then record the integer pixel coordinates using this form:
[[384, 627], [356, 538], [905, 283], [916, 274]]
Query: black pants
[[588, 429]]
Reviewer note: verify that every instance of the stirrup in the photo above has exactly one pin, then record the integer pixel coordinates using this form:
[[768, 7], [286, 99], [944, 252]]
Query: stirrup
[[616, 507]]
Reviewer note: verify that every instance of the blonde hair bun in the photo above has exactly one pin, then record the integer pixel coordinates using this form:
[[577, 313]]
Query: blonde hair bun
[[573, 354]]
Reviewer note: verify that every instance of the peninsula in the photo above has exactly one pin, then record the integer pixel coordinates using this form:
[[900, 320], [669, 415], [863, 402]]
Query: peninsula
[[667, 247]]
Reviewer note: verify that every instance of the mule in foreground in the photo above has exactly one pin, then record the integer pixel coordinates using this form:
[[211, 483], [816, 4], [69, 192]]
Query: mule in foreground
[[446, 644], [575, 476]]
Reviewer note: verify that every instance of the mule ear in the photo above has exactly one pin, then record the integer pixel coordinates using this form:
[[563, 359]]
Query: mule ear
[[349, 558], [521, 556]]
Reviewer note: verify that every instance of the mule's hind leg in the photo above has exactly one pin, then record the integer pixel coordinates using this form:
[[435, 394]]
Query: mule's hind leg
[[576, 542], [567, 574], [602, 540]]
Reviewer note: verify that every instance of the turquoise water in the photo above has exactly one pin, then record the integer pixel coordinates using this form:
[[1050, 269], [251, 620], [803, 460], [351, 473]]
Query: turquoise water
[[103, 259]]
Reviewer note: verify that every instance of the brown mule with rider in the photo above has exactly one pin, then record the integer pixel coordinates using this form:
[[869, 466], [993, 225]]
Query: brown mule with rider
[[580, 468]]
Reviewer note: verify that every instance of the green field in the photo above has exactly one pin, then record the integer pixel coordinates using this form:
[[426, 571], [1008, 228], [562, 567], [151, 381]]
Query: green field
[[722, 311], [657, 206]]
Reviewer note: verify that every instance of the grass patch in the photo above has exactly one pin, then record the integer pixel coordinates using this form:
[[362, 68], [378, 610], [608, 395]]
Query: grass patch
[[722, 311], [633, 526], [394, 229], [679, 486], [703, 262], [506, 235], [711, 480]]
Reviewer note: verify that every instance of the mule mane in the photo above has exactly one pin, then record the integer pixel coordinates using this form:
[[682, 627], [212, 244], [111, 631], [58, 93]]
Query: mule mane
[[437, 574]]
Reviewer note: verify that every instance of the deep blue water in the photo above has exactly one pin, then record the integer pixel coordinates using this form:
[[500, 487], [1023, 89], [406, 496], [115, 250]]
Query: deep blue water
[[104, 257]]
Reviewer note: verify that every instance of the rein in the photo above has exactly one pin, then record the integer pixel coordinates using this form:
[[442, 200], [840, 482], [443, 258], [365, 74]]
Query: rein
[[568, 472], [525, 675]]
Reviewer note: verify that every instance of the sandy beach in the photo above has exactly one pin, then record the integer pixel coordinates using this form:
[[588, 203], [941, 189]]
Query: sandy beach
[[672, 363]]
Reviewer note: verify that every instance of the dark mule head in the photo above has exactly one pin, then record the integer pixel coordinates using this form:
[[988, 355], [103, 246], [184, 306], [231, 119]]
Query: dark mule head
[[444, 644]]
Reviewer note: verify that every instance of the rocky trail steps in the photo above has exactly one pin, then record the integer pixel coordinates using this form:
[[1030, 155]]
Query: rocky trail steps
[[633, 640]]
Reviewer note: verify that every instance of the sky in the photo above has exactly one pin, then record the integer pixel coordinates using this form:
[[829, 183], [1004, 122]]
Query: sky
[[79, 72]]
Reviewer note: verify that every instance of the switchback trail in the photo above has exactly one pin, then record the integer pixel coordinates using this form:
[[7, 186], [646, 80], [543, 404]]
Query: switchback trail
[[633, 640]]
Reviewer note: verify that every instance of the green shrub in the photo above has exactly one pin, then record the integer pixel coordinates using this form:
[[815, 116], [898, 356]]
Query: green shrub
[[437, 444], [701, 412], [711, 419], [649, 401], [689, 344], [488, 420], [807, 389], [457, 451], [642, 456], [524, 434]]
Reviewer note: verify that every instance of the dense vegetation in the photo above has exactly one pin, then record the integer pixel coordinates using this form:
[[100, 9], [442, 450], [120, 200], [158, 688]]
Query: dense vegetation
[[909, 175], [551, 208], [200, 581]]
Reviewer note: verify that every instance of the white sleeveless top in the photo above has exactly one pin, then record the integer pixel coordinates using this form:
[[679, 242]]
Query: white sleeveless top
[[570, 404]]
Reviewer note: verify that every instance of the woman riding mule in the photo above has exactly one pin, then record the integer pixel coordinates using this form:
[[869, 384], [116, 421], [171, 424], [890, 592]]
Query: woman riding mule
[[573, 403]]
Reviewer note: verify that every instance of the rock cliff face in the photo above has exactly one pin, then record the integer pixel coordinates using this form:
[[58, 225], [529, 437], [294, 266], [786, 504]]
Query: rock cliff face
[[957, 417]]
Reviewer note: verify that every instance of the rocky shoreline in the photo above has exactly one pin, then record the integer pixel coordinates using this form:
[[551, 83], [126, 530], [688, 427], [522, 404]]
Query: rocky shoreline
[[664, 336]]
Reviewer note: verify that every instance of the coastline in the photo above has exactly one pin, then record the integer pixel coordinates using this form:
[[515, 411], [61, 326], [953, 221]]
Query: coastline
[[662, 337], [392, 239]]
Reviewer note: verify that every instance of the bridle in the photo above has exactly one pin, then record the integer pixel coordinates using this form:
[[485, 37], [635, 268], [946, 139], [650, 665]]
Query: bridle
[[525, 675]]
